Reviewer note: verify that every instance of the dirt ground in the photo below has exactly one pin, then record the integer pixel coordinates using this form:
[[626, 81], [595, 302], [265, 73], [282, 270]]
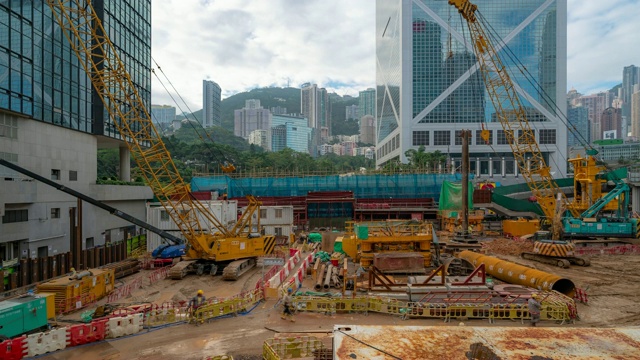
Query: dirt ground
[[612, 284]]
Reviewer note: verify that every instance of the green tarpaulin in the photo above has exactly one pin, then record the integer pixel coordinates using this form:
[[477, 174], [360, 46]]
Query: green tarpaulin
[[451, 196]]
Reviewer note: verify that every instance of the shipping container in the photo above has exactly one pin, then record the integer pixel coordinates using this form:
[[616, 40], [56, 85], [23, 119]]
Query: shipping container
[[76, 292]]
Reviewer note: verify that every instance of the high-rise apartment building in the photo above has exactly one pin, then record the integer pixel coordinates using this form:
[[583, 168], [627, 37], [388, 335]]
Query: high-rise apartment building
[[368, 129], [211, 103], [595, 105], [611, 124], [635, 113], [53, 122], [316, 107], [261, 138], [252, 117], [429, 86], [367, 102], [579, 132], [163, 114], [351, 112]]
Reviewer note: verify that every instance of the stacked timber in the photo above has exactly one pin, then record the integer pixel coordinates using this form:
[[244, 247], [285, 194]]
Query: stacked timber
[[124, 268]]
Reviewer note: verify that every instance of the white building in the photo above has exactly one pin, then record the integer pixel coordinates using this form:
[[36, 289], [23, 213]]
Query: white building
[[261, 138]]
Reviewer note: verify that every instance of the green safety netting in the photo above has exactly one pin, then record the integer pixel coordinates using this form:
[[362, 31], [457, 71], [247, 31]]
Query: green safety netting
[[315, 237], [451, 196]]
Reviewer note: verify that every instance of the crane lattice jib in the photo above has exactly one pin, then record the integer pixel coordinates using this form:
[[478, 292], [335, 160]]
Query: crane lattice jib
[[97, 54], [511, 114]]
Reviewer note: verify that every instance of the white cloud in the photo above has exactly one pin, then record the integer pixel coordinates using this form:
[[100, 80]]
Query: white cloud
[[246, 44], [243, 44]]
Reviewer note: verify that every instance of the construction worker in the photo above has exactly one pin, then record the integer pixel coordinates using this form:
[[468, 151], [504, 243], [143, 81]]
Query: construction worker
[[196, 302], [534, 309], [287, 302]]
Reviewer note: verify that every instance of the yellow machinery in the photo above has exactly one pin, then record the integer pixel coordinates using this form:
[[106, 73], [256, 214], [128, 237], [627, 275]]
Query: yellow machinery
[[554, 252], [587, 185], [529, 159], [80, 289], [364, 239], [84, 31]]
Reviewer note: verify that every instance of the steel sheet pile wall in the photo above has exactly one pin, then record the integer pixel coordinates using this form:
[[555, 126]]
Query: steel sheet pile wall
[[362, 186]]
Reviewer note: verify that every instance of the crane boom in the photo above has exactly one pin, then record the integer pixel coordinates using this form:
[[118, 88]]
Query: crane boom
[[83, 29], [512, 116], [124, 104]]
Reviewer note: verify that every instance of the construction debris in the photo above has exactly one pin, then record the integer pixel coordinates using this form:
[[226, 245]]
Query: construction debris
[[504, 246]]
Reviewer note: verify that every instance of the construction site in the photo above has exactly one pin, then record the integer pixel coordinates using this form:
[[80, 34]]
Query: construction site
[[380, 266]]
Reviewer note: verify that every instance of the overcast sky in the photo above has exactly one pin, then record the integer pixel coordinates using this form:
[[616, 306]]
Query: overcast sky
[[244, 44]]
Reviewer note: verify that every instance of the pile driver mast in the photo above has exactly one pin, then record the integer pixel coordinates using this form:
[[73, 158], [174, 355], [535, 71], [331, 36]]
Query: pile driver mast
[[84, 30]]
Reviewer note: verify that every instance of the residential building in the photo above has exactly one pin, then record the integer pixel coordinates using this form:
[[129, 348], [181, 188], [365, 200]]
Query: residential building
[[251, 117], [338, 149], [368, 129], [261, 138], [163, 114], [325, 149], [635, 113], [572, 95], [611, 124], [349, 147], [367, 103], [429, 87], [351, 112], [579, 132], [211, 103], [52, 122], [290, 132], [595, 105], [279, 110], [316, 107]]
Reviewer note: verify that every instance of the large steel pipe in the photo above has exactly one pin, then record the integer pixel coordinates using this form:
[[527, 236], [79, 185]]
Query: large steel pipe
[[327, 280], [319, 279], [518, 274]]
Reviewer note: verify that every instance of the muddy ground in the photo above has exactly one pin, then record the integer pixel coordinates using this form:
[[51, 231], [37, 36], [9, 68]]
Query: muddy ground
[[612, 283]]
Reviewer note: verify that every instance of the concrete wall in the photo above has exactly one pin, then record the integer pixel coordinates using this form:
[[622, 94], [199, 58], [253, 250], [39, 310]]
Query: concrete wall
[[41, 148]]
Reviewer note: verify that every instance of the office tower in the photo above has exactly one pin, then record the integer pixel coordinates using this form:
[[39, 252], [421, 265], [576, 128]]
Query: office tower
[[367, 102], [429, 87], [290, 132], [635, 113], [595, 105], [252, 117], [630, 77], [52, 122], [579, 132], [211, 102]]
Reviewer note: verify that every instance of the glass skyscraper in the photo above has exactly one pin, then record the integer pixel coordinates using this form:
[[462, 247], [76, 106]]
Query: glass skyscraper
[[429, 85], [40, 76]]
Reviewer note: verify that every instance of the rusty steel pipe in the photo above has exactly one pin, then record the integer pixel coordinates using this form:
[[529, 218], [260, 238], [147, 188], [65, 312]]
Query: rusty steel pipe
[[319, 278], [518, 274]]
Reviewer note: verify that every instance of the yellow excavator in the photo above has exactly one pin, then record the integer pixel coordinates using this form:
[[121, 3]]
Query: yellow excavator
[[209, 243]]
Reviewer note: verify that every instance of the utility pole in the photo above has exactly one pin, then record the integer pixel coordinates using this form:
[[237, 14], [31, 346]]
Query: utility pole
[[464, 233]]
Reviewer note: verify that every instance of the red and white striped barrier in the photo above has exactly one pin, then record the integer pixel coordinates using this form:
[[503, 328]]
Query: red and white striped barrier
[[124, 291]]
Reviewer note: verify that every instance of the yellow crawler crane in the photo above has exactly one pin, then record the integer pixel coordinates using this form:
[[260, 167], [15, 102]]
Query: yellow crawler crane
[[206, 247]]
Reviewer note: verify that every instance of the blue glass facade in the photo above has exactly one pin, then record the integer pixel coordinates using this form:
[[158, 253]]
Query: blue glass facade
[[41, 77], [290, 132], [429, 84]]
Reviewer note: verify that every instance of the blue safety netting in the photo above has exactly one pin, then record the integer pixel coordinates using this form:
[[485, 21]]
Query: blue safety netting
[[363, 186]]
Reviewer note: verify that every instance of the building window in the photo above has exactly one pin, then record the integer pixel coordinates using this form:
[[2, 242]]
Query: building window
[[547, 136], [55, 174], [420, 138], [480, 140], [277, 231], [164, 215], [458, 137], [55, 213], [14, 216], [8, 126], [73, 175], [9, 250], [441, 137], [502, 137], [278, 213], [530, 137], [263, 213]]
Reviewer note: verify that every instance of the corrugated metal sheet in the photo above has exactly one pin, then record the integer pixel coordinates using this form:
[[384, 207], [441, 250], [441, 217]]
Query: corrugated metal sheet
[[487, 343]]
